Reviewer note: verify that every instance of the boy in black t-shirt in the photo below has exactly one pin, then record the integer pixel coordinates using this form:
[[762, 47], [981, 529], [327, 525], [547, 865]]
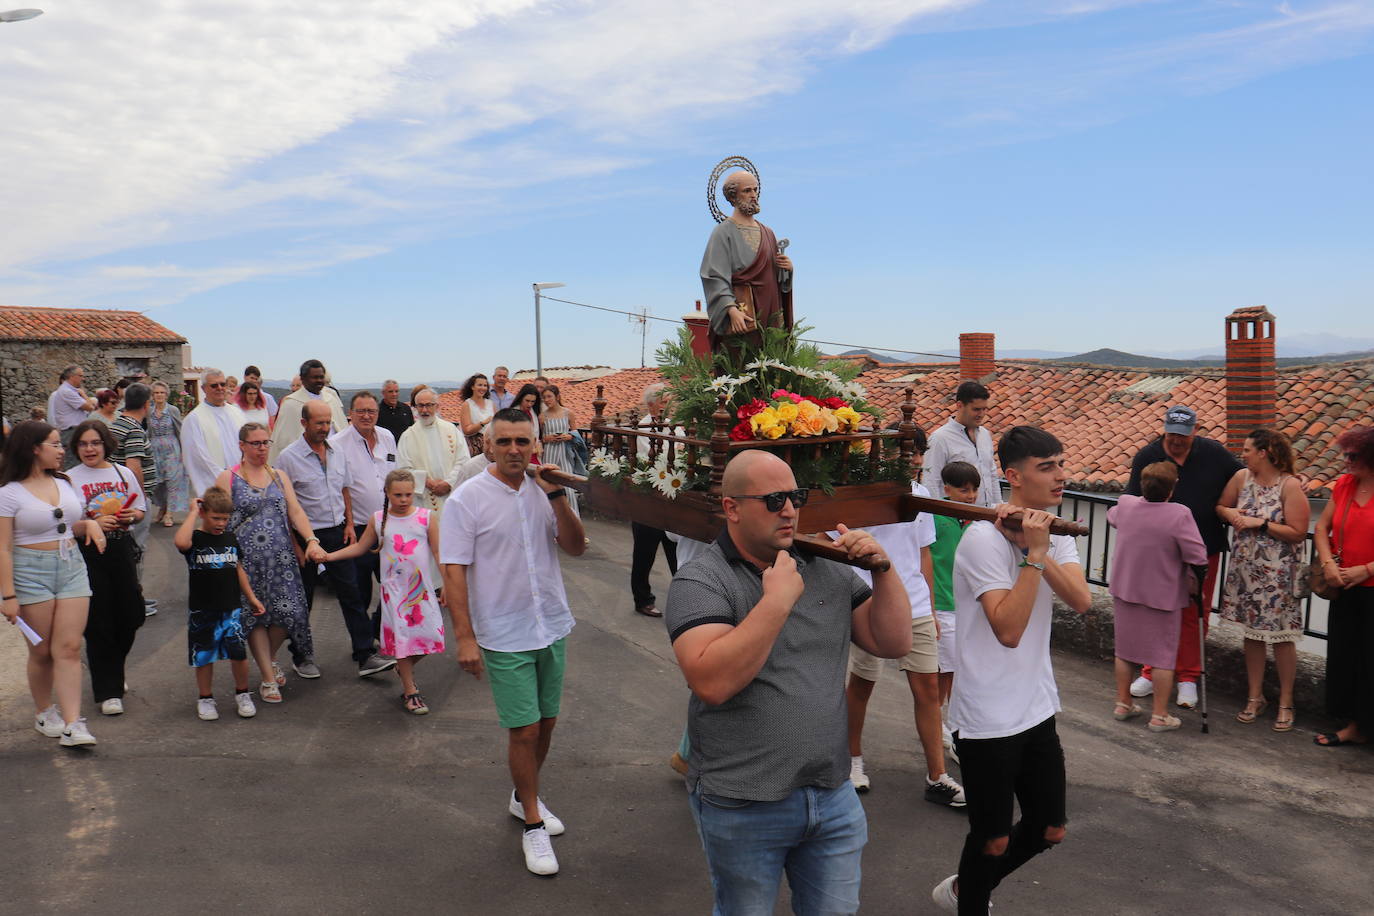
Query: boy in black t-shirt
[[214, 600]]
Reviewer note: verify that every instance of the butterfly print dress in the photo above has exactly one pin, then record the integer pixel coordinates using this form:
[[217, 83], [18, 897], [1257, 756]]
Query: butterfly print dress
[[412, 622]]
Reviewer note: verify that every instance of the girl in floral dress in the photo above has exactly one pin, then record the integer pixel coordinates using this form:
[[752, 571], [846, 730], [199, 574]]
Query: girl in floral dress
[[412, 622]]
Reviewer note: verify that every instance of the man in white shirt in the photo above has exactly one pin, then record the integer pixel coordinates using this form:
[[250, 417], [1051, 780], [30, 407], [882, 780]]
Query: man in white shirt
[[498, 393], [965, 438], [434, 451], [907, 545], [68, 406], [1005, 698], [313, 388], [319, 474], [210, 434], [510, 612], [646, 538], [371, 453]]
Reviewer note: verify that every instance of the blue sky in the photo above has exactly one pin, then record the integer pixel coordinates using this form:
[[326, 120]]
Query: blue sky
[[377, 183]]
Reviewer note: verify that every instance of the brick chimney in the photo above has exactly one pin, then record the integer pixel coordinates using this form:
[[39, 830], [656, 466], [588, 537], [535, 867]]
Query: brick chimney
[[1249, 373], [975, 356], [698, 324]]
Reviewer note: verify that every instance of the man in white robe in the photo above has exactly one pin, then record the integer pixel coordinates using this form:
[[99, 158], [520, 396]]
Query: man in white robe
[[210, 434], [434, 450], [313, 388]]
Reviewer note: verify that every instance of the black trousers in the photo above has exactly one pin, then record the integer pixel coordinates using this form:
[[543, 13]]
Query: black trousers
[[366, 568], [116, 613], [344, 581], [646, 544], [1027, 767], [1350, 658]]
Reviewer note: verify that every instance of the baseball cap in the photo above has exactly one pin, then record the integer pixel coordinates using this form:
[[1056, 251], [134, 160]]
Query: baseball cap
[[1180, 420]]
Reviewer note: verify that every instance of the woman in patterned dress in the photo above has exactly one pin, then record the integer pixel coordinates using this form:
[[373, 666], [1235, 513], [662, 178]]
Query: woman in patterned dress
[[164, 436], [263, 503], [1266, 506], [555, 427], [476, 410]]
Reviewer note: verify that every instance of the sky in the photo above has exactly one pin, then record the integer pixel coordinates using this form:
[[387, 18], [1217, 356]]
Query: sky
[[377, 183]]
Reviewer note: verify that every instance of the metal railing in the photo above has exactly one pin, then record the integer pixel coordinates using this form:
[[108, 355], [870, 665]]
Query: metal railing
[[1095, 551]]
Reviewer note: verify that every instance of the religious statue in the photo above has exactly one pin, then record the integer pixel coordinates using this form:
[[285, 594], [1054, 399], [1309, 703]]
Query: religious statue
[[745, 274]]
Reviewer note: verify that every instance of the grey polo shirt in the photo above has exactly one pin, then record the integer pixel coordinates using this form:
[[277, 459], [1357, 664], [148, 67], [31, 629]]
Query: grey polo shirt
[[787, 728]]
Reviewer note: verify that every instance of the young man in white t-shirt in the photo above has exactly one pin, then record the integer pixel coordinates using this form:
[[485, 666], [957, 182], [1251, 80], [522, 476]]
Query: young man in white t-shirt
[[1005, 699], [908, 547]]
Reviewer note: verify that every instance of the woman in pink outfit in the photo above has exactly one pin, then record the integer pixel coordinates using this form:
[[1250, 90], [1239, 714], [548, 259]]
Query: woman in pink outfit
[[1156, 543]]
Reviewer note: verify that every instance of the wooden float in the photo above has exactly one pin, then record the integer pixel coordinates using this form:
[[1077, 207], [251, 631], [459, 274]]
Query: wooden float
[[697, 514]]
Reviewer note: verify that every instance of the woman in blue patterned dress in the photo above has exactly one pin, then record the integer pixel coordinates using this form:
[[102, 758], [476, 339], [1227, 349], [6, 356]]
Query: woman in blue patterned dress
[[164, 435], [263, 503]]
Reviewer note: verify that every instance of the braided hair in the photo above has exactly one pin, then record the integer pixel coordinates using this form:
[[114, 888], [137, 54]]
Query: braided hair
[[399, 475]]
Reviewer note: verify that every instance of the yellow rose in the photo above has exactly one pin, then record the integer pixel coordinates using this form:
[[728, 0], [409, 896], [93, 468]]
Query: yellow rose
[[849, 417], [787, 411], [763, 419], [773, 432], [831, 424]]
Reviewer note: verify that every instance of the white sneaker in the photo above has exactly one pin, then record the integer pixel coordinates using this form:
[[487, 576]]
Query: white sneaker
[[49, 722], [945, 791], [207, 709], [244, 701], [1142, 687], [114, 706], [1187, 694], [857, 774], [551, 821], [539, 857], [944, 895], [77, 735]]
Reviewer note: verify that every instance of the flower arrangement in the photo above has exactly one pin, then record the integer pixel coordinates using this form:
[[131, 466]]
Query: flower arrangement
[[787, 413], [657, 475]]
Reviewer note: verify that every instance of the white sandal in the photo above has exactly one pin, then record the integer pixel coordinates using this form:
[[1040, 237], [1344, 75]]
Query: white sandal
[[269, 692]]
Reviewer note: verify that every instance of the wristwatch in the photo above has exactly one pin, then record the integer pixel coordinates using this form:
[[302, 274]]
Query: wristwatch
[[1264, 528], [554, 494], [1024, 562]]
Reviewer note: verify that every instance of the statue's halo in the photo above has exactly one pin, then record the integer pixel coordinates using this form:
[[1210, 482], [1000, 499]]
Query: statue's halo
[[725, 165]]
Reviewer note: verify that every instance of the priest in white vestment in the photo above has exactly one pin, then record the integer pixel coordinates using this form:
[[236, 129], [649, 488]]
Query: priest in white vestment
[[210, 434], [313, 388], [434, 450]]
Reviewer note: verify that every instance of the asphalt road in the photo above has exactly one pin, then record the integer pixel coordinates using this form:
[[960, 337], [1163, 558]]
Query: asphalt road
[[336, 801]]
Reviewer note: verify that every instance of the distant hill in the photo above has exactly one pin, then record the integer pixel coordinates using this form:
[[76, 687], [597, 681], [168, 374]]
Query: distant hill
[[1110, 357], [948, 356]]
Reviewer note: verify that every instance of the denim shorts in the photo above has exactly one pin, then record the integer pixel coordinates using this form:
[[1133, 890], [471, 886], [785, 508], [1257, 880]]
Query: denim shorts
[[42, 575]]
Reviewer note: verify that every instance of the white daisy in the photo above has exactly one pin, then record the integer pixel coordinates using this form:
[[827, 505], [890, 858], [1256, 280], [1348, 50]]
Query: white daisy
[[671, 483]]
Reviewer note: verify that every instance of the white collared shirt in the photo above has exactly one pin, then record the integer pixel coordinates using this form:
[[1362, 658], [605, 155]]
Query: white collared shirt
[[903, 543], [951, 443], [367, 468], [508, 541]]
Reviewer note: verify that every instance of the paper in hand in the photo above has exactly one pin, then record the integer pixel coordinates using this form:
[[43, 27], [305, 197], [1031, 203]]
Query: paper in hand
[[28, 631]]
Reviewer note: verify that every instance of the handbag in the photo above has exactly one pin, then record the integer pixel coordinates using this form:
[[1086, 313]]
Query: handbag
[[1316, 577]]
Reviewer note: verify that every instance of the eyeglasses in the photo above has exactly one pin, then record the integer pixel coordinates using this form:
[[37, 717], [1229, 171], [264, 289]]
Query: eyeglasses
[[773, 501], [256, 443], [61, 525], [362, 412], [216, 385]]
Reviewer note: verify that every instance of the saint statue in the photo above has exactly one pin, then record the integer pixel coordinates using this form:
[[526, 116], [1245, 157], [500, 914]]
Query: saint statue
[[746, 277]]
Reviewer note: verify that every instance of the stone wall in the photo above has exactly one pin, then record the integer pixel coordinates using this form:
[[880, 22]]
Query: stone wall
[[30, 370], [1091, 634]]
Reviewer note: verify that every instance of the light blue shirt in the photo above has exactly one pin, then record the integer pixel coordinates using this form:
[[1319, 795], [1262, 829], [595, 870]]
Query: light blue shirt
[[502, 401], [319, 485]]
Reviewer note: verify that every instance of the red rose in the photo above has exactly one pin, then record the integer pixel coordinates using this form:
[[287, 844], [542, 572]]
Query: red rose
[[743, 431], [835, 403], [748, 410], [817, 401]]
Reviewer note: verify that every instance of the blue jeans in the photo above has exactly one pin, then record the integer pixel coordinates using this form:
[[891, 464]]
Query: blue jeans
[[816, 835]]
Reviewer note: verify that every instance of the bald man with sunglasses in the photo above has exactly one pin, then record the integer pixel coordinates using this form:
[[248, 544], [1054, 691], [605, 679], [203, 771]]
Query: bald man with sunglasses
[[762, 635]]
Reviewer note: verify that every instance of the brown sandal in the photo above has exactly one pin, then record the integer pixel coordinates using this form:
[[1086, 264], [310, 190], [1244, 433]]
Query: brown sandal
[[1282, 723], [1251, 712]]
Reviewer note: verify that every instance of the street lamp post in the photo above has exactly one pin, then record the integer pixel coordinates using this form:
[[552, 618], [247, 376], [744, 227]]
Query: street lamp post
[[19, 15], [538, 340]]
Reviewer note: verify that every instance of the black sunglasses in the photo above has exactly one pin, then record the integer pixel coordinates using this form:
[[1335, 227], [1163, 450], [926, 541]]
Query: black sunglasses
[[61, 525], [773, 501]]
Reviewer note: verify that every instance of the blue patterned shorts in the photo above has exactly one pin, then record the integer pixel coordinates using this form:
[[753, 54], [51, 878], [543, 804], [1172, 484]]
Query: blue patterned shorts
[[214, 636]]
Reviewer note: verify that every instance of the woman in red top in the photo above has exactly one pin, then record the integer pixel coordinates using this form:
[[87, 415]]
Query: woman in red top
[[1345, 544]]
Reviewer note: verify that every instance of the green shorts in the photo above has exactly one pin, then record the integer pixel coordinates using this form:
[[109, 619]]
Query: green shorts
[[527, 686]]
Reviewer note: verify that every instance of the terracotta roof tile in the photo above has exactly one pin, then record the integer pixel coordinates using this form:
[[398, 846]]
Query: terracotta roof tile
[[92, 325], [1101, 427]]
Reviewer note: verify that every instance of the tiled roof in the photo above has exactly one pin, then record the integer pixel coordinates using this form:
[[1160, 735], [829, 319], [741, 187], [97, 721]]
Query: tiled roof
[[85, 325], [1102, 415]]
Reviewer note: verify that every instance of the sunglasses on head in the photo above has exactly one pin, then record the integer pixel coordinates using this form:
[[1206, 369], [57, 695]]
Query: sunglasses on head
[[773, 501]]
